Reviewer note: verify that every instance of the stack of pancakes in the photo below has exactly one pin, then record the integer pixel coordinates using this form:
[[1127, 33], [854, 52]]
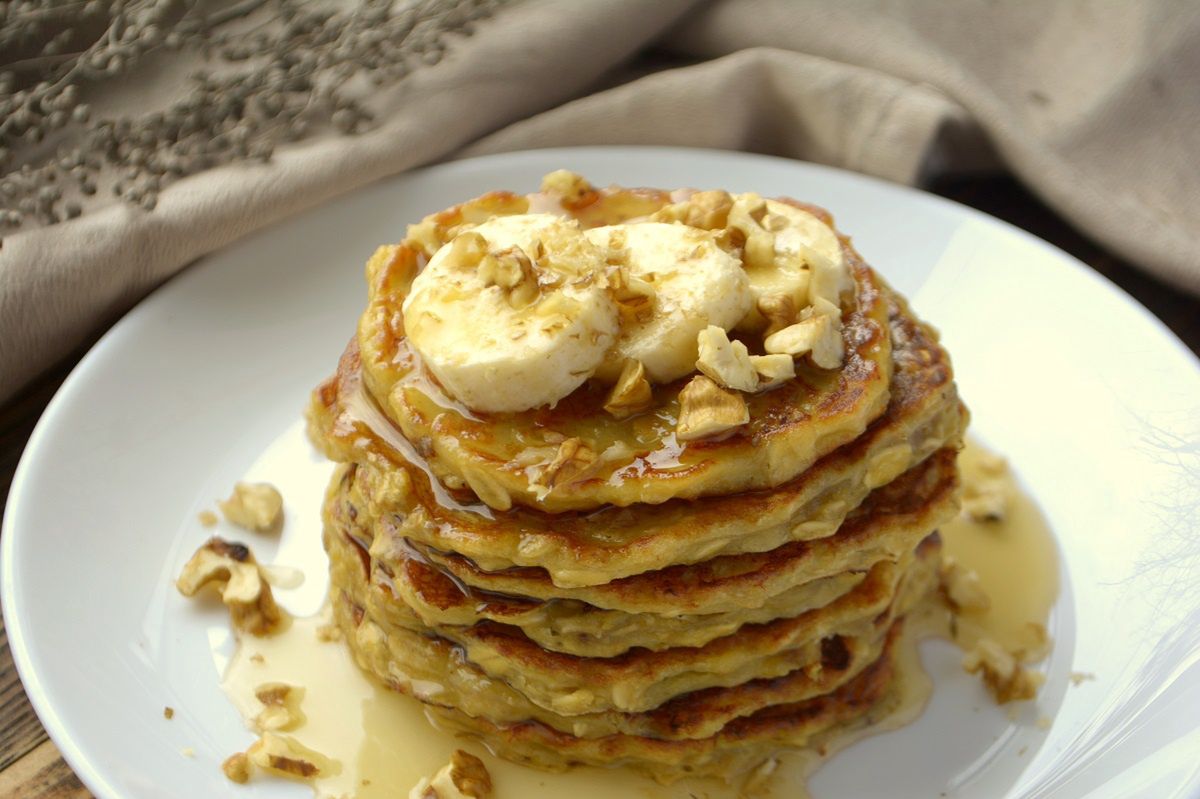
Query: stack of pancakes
[[678, 607]]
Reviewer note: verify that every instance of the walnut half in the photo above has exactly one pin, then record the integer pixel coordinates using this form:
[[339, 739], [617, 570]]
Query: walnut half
[[705, 410], [231, 568], [464, 777]]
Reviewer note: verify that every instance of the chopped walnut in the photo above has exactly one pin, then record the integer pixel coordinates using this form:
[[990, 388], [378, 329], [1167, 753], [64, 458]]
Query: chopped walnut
[[986, 494], [773, 370], [572, 189], [962, 586], [705, 410], [632, 393], [511, 270], [464, 777], [254, 506], [281, 706], [779, 310], [207, 518], [745, 224], [708, 210], [1006, 679], [573, 461], [287, 757], [231, 568], [168, 712], [237, 768], [727, 362], [467, 250], [816, 334], [633, 295]]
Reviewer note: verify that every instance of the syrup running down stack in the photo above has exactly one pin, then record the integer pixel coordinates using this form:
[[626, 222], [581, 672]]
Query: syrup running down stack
[[636, 478]]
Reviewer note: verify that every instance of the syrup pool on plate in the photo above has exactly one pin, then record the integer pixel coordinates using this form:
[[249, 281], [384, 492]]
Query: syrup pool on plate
[[383, 742]]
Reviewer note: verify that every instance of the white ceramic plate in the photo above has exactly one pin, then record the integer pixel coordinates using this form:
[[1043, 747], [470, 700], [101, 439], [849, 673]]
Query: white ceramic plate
[[1095, 403]]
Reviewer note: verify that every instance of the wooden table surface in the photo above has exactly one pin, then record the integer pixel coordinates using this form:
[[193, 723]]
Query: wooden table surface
[[30, 765]]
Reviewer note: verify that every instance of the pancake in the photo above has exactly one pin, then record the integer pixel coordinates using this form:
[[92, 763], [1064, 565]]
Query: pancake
[[573, 584], [735, 581], [437, 672], [733, 752], [425, 590], [498, 455], [578, 549], [721, 732]]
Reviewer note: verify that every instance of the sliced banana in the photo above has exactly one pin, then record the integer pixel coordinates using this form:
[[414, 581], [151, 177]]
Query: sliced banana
[[808, 259], [514, 313], [695, 284]]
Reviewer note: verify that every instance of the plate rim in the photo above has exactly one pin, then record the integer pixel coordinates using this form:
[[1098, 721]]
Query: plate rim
[[24, 661]]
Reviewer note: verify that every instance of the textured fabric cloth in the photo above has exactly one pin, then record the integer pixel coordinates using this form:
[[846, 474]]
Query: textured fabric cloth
[[1094, 105]]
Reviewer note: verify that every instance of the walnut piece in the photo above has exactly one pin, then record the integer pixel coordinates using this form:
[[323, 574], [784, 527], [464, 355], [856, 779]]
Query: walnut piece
[[254, 506], [207, 518], [817, 334], [707, 210], [962, 586], [573, 461], [632, 393], [464, 777], [986, 494], [237, 768], [705, 410], [467, 250], [572, 189], [281, 706], [512, 270], [1006, 679], [779, 310], [287, 757], [726, 362], [745, 226], [773, 370], [231, 568], [633, 295]]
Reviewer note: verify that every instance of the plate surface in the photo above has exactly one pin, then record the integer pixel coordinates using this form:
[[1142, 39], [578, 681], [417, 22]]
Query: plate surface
[[1096, 405]]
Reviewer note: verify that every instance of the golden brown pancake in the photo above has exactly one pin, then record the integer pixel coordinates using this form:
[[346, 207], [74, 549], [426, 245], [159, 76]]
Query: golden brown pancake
[[790, 427], [442, 589], [438, 673], [676, 607], [581, 549]]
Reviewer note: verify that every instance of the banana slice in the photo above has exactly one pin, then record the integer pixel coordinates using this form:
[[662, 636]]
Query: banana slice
[[694, 284], [514, 313], [808, 259]]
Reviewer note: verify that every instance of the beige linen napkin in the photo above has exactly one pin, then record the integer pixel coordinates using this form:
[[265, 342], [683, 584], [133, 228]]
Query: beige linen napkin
[[1095, 105]]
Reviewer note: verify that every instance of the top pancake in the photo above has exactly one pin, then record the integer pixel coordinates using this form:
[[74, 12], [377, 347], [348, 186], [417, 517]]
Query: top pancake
[[596, 548], [501, 457]]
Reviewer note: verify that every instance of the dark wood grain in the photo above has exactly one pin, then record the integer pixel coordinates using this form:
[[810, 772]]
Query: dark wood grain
[[20, 732], [30, 766], [41, 774]]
